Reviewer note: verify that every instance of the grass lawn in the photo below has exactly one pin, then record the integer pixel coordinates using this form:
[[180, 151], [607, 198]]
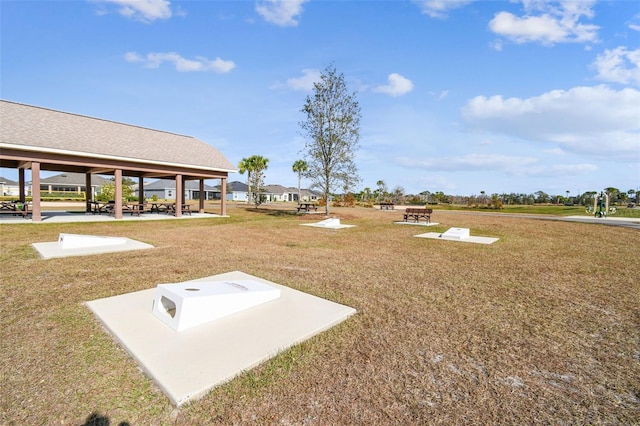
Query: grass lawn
[[542, 326]]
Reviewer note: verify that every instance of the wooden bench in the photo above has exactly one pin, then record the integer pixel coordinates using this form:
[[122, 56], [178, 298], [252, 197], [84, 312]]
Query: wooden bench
[[387, 206], [416, 214]]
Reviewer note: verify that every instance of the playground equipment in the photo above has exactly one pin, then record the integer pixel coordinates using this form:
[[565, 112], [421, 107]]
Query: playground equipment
[[601, 206]]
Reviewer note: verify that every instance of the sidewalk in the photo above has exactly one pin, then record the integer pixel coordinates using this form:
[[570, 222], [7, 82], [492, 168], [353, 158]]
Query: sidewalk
[[60, 216]]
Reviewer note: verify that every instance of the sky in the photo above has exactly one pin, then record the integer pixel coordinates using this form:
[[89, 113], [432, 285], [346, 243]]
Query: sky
[[458, 96]]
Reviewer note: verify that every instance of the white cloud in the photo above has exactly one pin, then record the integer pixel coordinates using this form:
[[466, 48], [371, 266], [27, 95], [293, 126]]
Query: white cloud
[[573, 169], [154, 60], [440, 8], [284, 13], [591, 120], [619, 66], [547, 23], [398, 86], [496, 45], [510, 165], [555, 151], [142, 10], [470, 162], [304, 83]]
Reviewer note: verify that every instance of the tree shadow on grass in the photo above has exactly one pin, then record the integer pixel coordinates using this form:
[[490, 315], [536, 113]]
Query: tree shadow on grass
[[96, 419], [273, 212]]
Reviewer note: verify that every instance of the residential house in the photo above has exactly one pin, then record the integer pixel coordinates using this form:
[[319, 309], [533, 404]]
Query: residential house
[[278, 193], [9, 187], [237, 191], [71, 182], [165, 189]]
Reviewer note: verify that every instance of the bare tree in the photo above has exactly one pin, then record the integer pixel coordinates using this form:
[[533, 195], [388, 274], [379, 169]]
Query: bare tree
[[332, 132]]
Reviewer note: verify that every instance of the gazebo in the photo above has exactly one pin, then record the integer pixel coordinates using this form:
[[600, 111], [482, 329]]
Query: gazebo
[[40, 139]]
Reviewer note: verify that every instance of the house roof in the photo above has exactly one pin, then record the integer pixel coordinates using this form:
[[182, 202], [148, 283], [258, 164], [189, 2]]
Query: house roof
[[72, 179], [6, 181], [237, 186], [277, 189], [31, 128], [171, 184]]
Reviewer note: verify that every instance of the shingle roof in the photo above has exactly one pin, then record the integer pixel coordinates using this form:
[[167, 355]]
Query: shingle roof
[[237, 186], [8, 181], [171, 184], [73, 179], [276, 189], [56, 131]]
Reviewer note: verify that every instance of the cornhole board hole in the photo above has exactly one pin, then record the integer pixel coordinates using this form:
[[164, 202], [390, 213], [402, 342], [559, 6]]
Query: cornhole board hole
[[331, 223], [189, 304], [188, 364], [82, 245], [458, 234]]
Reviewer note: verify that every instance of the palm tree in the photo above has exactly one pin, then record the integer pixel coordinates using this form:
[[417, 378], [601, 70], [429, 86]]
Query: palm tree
[[366, 194], [255, 167], [382, 189], [245, 166], [300, 166]]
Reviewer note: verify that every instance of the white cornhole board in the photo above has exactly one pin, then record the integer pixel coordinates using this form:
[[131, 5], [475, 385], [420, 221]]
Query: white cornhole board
[[187, 364], [331, 223], [458, 234], [72, 241], [82, 245], [192, 303]]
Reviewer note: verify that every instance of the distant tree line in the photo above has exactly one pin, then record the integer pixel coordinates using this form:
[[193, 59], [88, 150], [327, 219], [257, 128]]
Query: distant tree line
[[397, 195]]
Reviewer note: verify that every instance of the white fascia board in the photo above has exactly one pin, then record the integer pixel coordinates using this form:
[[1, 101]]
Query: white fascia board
[[107, 157]]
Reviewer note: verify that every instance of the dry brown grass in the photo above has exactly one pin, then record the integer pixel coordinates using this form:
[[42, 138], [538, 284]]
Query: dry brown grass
[[541, 327]]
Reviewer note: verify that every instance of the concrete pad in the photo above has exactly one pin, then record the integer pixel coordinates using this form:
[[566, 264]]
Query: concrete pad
[[331, 223], [51, 250], [188, 364], [470, 239], [417, 223]]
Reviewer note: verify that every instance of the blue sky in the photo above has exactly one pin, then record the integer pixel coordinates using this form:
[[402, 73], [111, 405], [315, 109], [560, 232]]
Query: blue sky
[[456, 96]]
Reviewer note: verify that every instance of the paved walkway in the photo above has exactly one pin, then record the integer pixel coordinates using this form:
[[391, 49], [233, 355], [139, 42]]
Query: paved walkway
[[67, 217]]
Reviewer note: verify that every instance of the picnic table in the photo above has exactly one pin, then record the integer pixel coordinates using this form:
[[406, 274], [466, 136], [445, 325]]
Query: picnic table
[[186, 208], [135, 208], [15, 208], [169, 208], [307, 207], [99, 208], [157, 207], [387, 206]]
